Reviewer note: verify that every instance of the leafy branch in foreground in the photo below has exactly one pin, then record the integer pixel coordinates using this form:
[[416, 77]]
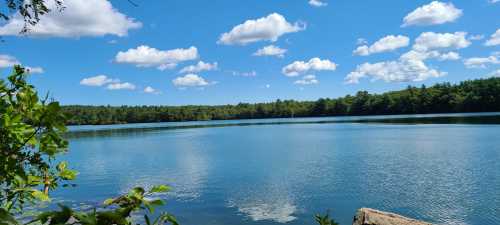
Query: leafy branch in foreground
[[121, 212], [135, 201], [325, 220], [31, 138], [30, 11]]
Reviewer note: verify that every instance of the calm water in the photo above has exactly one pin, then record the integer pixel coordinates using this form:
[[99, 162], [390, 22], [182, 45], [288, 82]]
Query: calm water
[[286, 170]]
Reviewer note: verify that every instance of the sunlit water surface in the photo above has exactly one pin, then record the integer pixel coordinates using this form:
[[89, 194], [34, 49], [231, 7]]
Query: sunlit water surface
[[286, 170]]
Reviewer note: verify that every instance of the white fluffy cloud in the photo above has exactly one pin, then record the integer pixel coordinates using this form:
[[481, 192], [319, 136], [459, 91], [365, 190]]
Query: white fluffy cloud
[[98, 81], [121, 86], [151, 90], [200, 66], [429, 45], [411, 65], [191, 80], [8, 61], [476, 37], [112, 84], [493, 1], [317, 3], [421, 56], [271, 50], [430, 41], [300, 67], [307, 80], [33, 70], [385, 44], [268, 28], [435, 12], [449, 56], [361, 41], [145, 56], [394, 71], [79, 18], [481, 62], [494, 39]]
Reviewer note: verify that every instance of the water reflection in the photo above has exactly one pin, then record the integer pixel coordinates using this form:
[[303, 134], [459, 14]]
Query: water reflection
[[142, 128], [269, 174], [187, 174], [278, 194], [272, 203], [194, 168]]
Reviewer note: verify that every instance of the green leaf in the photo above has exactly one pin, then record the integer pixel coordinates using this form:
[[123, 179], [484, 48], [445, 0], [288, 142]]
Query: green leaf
[[34, 180], [109, 217], [43, 217], [53, 107], [137, 192], [62, 166], [146, 218], [61, 217], [86, 218], [151, 205], [160, 189], [68, 174], [168, 218], [6, 218], [109, 201], [19, 180], [325, 220], [40, 196]]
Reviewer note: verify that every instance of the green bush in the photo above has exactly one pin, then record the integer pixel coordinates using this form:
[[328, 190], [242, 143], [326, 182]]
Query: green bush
[[30, 140]]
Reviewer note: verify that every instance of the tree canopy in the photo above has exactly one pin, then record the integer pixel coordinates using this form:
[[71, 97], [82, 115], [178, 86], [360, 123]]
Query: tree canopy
[[482, 95]]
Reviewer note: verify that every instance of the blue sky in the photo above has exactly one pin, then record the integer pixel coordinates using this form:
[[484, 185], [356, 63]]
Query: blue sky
[[92, 54]]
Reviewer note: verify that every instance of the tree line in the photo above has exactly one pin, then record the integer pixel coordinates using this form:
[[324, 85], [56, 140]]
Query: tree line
[[481, 95]]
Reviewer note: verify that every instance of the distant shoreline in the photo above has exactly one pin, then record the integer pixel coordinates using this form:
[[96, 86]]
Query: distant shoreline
[[481, 95], [492, 118]]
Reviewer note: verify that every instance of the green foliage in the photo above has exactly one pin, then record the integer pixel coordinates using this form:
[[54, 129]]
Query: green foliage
[[469, 96], [30, 138], [6, 218], [160, 189], [325, 220], [124, 206]]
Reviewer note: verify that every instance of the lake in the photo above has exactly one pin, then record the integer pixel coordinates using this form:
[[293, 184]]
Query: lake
[[438, 168]]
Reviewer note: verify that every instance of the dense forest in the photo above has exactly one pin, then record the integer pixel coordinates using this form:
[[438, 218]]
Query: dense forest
[[481, 95]]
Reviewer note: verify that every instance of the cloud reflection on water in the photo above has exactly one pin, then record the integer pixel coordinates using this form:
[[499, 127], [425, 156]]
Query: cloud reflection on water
[[187, 174], [272, 202]]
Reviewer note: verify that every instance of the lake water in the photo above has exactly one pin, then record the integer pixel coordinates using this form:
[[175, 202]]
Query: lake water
[[281, 171]]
